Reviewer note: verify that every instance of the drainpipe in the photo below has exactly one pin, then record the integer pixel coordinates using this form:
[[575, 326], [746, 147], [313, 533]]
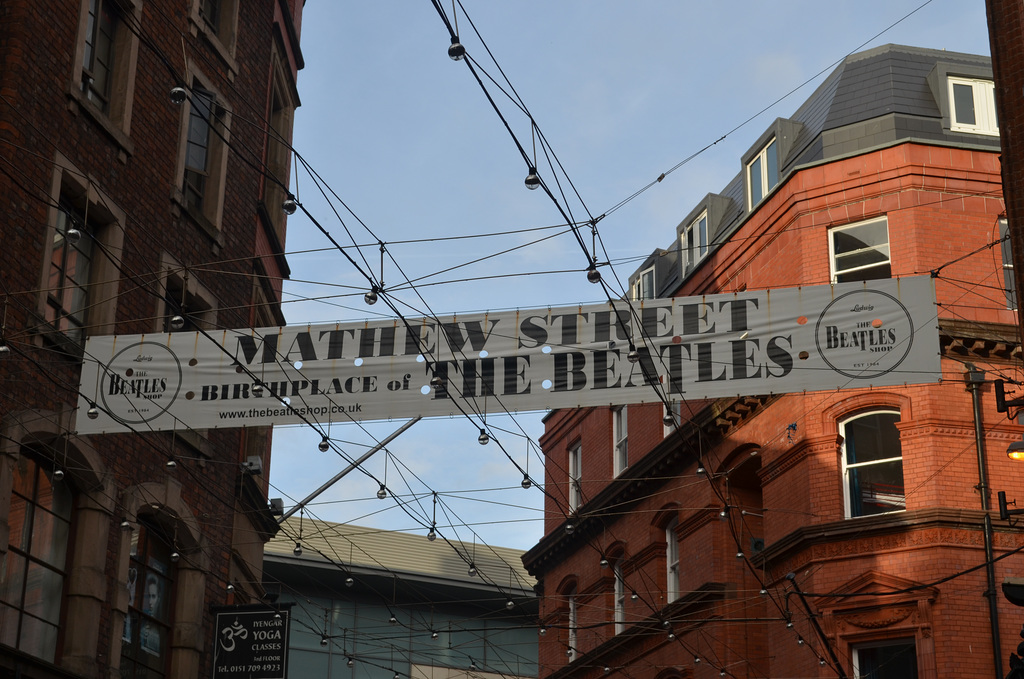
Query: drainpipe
[[974, 378]]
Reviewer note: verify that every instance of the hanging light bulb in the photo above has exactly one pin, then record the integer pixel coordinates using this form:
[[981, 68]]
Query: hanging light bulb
[[739, 555], [669, 420], [721, 673], [397, 676], [671, 635], [472, 664], [230, 587], [58, 475], [73, 235], [633, 356], [257, 389], [371, 297], [4, 349], [543, 630], [298, 549], [604, 562], [289, 206], [350, 662], [393, 620], [178, 95], [763, 592], [607, 669], [789, 625], [349, 581], [821, 661], [700, 470], [472, 570], [93, 411], [593, 275], [510, 604], [323, 640], [569, 528], [175, 556], [526, 483], [696, 660], [277, 615], [434, 634], [532, 180], [177, 322], [483, 439], [171, 464], [126, 524], [456, 51], [799, 641], [436, 382], [324, 445], [432, 535], [382, 492], [634, 596]]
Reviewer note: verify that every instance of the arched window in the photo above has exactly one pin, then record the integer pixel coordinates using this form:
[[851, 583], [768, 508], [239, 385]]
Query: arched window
[[33, 573], [146, 637], [671, 560], [620, 596], [573, 621], [872, 464]]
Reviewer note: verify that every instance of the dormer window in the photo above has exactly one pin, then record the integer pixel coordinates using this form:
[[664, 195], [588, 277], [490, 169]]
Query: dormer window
[[643, 286], [694, 241], [762, 174], [973, 105]]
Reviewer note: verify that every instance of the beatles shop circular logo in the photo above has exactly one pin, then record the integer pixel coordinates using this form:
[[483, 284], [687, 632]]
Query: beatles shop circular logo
[[864, 334], [140, 383]]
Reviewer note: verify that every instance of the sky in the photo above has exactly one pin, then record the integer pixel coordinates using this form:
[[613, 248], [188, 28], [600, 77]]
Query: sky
[[411, 154]]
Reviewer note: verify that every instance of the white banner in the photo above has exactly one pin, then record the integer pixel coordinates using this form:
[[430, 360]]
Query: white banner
[[880, 333]]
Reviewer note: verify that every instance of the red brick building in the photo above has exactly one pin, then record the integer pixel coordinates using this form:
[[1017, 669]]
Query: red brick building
[[145, 160], [667, 546]]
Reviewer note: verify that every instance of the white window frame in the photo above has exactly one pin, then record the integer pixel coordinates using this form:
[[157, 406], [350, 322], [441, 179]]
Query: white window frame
[[694, 241], [847, 496], [619, 590], [573, 624], [643, 286], [620, 439], [834, 265], [766, 172], [1009, 280], [671, 561], [575, 468], [985, 120]]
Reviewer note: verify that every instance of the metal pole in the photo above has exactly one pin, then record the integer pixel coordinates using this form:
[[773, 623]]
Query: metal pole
[[974, 379], [337, 477]]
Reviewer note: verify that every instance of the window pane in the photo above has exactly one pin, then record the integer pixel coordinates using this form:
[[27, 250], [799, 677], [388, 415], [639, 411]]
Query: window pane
[[43, 588], [963, 104], [772, 165], [873, 235], [754, 173], [12, 579], [890, 661], [49, 538], [873, 274], [8, 626], [877, 488], [873, 437], [38, 638]]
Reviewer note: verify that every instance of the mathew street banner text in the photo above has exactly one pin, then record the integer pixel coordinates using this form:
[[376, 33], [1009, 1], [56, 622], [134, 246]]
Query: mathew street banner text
[[879, 333]]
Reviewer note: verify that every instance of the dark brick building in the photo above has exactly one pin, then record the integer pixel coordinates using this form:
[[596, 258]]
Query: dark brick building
[[144, 160], [670, 532]]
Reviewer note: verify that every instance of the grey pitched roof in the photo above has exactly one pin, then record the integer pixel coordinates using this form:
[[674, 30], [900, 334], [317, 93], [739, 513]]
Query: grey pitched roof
[[406, 554]]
